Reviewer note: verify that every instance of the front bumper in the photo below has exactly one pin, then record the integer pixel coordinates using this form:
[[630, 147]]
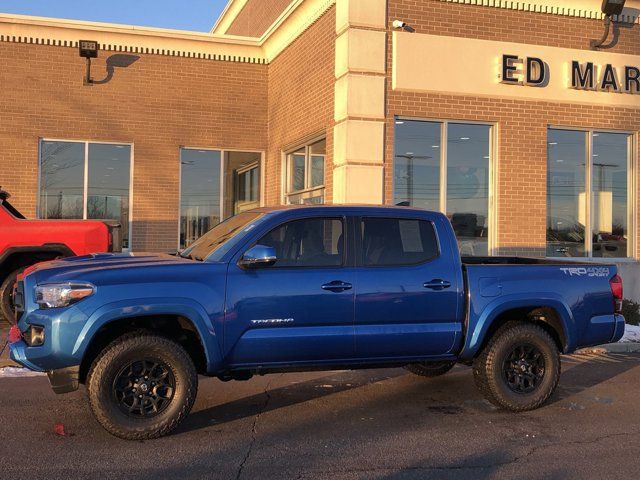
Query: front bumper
[[18, 353], [63, 380]]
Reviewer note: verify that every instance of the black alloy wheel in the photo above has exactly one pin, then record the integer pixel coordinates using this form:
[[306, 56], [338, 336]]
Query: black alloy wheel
[[523, 368], [144, 388]]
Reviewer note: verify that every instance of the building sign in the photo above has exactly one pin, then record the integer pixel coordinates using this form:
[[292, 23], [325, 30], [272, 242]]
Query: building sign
[[534, 72], [491, 69]]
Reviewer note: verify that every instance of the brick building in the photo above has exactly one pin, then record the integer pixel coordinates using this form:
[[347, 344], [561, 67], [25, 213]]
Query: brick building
[[500, 114]]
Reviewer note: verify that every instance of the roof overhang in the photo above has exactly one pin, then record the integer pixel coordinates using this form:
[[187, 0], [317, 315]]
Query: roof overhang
[[127, 38]]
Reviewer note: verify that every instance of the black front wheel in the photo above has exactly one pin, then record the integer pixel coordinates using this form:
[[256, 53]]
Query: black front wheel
[[519, 368], [142, 386]]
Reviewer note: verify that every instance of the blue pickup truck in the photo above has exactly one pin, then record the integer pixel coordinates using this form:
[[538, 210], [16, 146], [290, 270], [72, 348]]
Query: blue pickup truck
[[302, 288]]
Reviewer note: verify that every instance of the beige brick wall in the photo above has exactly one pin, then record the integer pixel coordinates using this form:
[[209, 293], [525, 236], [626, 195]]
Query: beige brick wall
[[256, 17], [301, 83], [522, 125], [159, 103]]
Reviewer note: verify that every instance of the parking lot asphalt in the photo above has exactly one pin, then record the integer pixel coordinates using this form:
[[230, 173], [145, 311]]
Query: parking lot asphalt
[[381, 424]]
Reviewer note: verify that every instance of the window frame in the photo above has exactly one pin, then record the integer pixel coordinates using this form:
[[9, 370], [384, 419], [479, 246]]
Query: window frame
[[85, 186], [287, 156], [632, 185], [346, 251], [260, 163], [359, 238], [493, 162]]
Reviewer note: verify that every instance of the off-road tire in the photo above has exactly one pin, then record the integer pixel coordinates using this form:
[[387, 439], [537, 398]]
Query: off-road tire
[[488, 367], [134, 347], [430, 369], [6, 300]]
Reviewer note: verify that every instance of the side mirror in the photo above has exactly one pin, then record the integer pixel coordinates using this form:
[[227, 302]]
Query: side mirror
[[258, 256]]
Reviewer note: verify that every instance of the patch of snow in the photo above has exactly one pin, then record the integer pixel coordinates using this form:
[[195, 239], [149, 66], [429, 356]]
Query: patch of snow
[[15, 372], [631, 334]]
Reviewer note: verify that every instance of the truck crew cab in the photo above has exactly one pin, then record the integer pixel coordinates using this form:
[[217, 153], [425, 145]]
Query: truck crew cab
[[301, 288], [26, 242]]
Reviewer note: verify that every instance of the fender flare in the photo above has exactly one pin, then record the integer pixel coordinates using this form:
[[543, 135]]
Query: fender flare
[[481, 325], [49, 248], [148, 307]]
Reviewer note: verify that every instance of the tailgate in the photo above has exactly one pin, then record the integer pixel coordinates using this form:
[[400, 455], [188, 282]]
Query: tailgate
[[115, 235]]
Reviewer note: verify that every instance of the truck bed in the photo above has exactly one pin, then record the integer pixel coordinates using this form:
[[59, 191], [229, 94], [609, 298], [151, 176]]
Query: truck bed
[[578, 293], [519, 261]]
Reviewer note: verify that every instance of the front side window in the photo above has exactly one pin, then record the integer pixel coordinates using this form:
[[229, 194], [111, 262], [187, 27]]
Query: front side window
[[588, 187], [445, 166], [396, 241], [310, 242], [82, 180], [304, 183]]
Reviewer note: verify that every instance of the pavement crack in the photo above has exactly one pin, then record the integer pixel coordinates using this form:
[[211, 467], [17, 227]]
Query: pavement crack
[[254, 429]]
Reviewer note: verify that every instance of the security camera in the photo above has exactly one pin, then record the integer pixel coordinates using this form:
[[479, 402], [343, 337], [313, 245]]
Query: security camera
[[400, 25]]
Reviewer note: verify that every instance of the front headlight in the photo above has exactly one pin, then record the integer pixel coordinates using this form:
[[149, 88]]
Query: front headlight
[[58, 295]]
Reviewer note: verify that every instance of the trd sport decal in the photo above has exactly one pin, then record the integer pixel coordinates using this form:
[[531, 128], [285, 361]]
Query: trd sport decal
[[588, 271]]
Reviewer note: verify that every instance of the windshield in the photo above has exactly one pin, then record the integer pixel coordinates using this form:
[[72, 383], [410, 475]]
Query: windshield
[[219, 236]]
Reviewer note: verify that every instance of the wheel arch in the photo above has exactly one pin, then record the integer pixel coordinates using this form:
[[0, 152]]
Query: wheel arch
[[551, 315], [18, 257], [178, 328]]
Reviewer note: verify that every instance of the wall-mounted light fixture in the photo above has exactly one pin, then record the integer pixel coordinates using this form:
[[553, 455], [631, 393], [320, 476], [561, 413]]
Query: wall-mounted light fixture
[[612, 7], [88, 49], [609, 8]]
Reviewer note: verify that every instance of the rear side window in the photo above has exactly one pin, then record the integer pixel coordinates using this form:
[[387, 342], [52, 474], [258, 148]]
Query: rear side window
[[397, 241], [311, 242]]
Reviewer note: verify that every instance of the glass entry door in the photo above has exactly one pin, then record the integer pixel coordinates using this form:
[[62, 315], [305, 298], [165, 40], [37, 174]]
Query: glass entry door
[[242, 182], [215, 185]]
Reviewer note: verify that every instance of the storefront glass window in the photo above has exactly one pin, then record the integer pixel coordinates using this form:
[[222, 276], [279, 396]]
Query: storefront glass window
[[107, 169], [305, 174], [199, 193], [468, 185], [417, 164], [62, 180], [423, 150], [566, 180], [577, 159], [609, 202], [109, 183]]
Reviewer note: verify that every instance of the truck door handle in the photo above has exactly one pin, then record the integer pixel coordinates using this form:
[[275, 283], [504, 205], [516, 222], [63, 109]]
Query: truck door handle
[[337, 286], [437, 284]]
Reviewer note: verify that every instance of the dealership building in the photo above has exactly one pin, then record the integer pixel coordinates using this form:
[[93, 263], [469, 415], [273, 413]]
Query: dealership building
[[501, 114]]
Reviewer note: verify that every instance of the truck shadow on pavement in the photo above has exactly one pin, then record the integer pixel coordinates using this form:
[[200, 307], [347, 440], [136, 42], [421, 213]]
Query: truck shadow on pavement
[[581, 372], [584, 371], [295, 393]]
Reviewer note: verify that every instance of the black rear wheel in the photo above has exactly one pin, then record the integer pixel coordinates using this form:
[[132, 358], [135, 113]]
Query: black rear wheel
[[519, 369], [142, 386]]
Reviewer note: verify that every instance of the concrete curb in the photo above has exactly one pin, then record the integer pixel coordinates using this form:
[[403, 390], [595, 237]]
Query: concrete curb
[[626, 347]]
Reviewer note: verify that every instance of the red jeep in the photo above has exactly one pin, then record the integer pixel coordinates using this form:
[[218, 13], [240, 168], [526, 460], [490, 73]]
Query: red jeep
[[26, 242]]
